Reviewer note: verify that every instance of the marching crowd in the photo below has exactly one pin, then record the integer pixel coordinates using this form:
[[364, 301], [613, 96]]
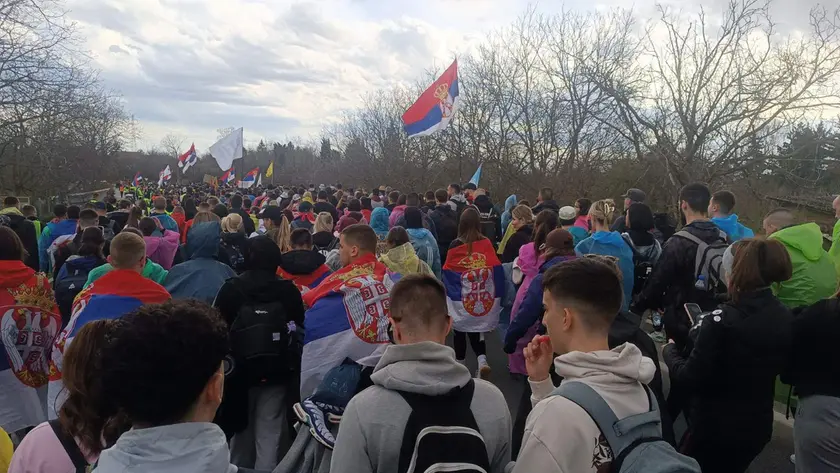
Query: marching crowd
[[324, 329]]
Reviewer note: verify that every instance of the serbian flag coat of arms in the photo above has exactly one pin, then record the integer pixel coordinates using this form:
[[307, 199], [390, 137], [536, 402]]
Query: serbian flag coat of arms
[[436, 106], [347, 318], [475, 285]]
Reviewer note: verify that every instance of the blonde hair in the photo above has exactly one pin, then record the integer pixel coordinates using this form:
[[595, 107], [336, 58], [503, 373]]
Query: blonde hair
[[524, 213], [602, 211], [203, 217], [232, 223], [323, 222], [282, 235], [127, 249]]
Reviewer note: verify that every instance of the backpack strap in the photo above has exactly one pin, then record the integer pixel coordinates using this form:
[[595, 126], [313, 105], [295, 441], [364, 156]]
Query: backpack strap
[[636, 255], [462, 395], [70, 447], [620, 434]]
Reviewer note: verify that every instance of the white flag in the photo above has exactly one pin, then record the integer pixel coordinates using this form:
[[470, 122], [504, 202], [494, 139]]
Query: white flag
[[227, 149], [165, 175], [259, 180]]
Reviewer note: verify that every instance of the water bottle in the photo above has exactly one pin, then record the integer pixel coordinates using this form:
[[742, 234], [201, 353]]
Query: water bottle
[[701, 283]]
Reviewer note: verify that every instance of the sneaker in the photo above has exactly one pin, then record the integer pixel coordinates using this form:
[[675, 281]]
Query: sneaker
[[300, 413], [317, 425], [483, 370], [334, 418]]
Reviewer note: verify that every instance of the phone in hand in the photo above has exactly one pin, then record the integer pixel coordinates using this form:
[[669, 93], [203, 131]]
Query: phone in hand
[[693, 311]]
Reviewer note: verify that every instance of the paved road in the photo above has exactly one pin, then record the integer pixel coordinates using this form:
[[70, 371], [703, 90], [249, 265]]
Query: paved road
[[774, 458]]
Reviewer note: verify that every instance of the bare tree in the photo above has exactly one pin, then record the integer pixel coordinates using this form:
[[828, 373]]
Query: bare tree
[[173, 144]]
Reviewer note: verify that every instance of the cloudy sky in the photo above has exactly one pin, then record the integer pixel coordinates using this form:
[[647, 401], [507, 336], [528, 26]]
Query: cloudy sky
[[285, 68]]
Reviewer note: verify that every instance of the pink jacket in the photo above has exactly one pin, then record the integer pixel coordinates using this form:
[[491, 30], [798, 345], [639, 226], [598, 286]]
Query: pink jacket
[[162, 250], [398, 212], [583, 222], [41, 452], [530, 264]]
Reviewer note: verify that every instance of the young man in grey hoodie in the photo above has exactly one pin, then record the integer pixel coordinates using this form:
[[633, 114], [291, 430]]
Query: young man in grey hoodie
[[581, 297], [371, 431]]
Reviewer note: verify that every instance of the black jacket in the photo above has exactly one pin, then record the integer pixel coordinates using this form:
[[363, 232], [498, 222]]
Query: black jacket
[[520, 238], [324, 241], [120, 219], [731, 372], [25, 230], [299, 262], [546, 205], [815, 361], [328, 208], [491, 221], [620, 224], [247, 223], [672, 282], [234, 246], [446, 224]]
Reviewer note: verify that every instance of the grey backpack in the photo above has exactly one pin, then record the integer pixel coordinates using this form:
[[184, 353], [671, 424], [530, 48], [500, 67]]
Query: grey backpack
[[636, 441]]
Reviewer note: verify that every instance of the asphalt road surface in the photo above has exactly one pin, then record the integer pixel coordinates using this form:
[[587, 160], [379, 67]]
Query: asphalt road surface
[[774, 458]]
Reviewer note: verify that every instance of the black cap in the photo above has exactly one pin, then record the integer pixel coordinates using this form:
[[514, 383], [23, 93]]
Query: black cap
[[635, 195], [470, 186], [273, 213]]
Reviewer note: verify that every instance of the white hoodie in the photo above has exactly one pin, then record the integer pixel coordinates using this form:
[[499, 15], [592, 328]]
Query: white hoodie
[[560, 437]]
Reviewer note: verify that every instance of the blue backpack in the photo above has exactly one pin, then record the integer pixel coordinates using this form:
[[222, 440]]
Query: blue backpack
[[636, 441]]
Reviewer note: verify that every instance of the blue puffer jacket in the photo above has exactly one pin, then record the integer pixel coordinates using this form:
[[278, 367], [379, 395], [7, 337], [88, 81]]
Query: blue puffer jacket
[[202, 276], [426, 248], [733, 229], [611, 244]]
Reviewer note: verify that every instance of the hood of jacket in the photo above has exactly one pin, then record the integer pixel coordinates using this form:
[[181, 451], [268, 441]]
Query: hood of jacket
[[554, 261], [806, 238], [11, 211], [732, 227], [322, 239], [379, 220], [446, 209], [152, 244], [402, 259], [510, 203], [483, 204], [234, 238], [14, 273], [421, 235], [203, 240], [301, 261], [705, 230], [15, 220], [62, 227], [426, 368], [624, 364], [529, 262], [86, 263], [609, 238], [177, 448]]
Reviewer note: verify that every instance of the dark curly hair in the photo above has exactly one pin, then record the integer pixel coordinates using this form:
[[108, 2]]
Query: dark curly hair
[[161, 358]]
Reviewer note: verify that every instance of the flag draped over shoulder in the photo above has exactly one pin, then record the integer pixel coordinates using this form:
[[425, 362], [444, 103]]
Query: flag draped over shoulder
[[436, 106], [347, 318], [306, 282], [475, 285]]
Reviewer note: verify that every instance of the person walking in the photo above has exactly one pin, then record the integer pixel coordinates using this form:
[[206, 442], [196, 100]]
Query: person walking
[[400, 256]]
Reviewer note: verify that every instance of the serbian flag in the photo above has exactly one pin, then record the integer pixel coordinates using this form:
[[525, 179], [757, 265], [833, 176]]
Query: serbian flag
[[436, 106], [228, 177], [137, 178], [308, 281], [475, 285], [188, 159], [249, 179], [115, 294], [164, 176], [347, 318]]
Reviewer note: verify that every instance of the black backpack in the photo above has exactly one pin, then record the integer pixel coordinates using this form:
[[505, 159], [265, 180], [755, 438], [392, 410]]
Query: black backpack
[[441, 434], [488, 225], [446, 226], [68, 287], [642, 266], [263, 349]]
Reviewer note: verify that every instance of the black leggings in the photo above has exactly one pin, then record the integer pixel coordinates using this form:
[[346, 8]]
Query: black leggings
[[478, 345]]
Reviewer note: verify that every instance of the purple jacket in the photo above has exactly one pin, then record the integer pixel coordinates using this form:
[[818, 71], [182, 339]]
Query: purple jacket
[[530, 264]]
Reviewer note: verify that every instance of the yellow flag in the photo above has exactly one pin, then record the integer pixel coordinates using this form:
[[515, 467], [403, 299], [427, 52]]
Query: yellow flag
[[270, 170]]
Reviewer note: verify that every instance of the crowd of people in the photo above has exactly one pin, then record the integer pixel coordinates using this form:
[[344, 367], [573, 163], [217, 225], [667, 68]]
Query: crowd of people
[[317, 329]]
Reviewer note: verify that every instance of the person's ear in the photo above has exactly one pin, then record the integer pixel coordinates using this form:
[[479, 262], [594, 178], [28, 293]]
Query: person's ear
[[448, 325], [567, 319], [214, 390]]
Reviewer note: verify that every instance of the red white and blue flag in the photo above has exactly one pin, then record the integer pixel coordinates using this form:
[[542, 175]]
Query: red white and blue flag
[[164, 176], [306, 282], [228, 177], [436, 106], [475, 285], [137, 178], [347, 318], [249, 178], [188, 159]]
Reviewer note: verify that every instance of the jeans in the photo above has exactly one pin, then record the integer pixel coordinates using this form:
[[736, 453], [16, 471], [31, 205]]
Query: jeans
[[476, 341]]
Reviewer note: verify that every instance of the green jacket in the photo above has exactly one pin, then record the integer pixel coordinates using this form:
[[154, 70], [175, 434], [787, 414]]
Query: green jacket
[[814, 277], [834, 251], [152, 271]]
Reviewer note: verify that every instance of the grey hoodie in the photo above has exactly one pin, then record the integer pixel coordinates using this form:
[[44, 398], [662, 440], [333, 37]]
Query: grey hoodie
[[178, 448], [371, 431], [617, 375]]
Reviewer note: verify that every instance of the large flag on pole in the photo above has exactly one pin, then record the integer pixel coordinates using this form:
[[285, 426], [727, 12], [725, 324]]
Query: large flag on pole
[[436, 106], [228, 177], [165, 175], [476, 176], [188, 159], [249, 178], [227, 149], [137, 178], [270, 171]]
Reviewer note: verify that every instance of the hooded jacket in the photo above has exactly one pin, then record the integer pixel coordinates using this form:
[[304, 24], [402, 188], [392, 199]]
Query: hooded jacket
[[617, 375], [814, 276], [734, 230], [26, 231], [510, 203], [731, 372], [162, 249], [546, 205], [529, 263], [611, 244], [371, 431], [202, 276], [398, 212], [379, 221], [458, 203], [176, 448], [165, 220], [403, 260], [48, 236], [426, 248], [305, 268], [151, 271]]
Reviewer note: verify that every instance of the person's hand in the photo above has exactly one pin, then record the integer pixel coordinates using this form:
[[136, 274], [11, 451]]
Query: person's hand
[[539, 355]]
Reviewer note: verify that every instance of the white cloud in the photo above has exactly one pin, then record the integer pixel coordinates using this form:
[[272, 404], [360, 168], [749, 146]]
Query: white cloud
[[277, 67]]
